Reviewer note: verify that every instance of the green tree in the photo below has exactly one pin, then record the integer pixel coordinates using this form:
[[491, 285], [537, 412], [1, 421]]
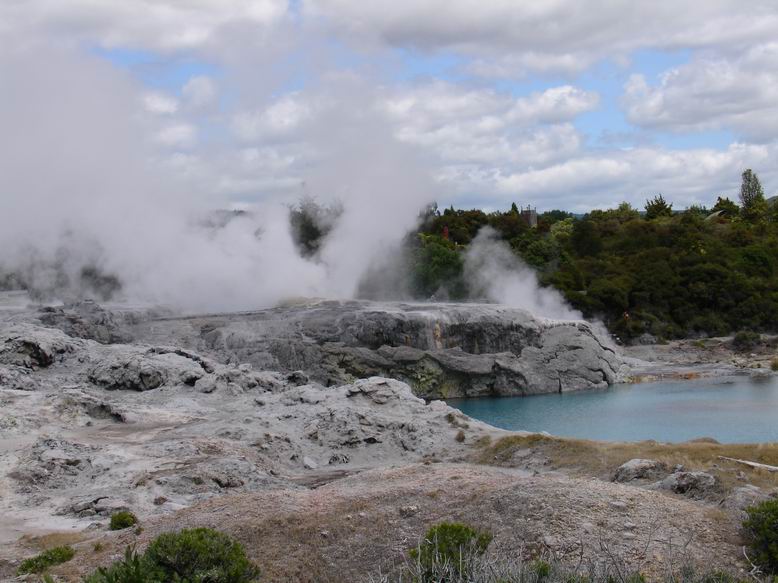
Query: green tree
[[752, 200], [658, 207], [726, 207]]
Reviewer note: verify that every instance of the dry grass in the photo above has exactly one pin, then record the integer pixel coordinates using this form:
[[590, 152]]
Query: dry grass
[[51, 540], [600, 459]]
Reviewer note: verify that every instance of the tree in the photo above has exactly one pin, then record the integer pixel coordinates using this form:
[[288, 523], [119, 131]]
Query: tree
[[726, 207], [658, 207], [752, 201]]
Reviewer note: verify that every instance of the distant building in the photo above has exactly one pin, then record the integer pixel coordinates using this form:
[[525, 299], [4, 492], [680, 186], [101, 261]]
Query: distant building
[[530, 216]]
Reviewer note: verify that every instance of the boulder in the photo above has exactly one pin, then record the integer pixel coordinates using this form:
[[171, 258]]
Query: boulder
[[640, 469], [137, 370], [34, 347], [692, 484]]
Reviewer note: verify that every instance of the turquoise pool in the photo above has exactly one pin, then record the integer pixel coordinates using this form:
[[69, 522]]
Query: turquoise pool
[[732, 410]]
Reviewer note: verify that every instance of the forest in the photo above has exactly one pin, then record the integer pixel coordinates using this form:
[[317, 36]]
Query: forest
[[656, 271]]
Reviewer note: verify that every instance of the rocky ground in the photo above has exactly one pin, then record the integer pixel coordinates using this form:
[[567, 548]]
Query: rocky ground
[[184, 421]]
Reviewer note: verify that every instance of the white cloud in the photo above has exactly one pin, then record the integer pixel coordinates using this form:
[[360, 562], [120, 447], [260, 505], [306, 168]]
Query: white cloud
[[710, 93], [178, 135], [507, 37], [160, 103], [147, 24], [200, 92]]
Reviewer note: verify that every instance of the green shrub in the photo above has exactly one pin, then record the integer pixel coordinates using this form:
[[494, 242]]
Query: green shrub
[[133, 568], [197, 555], [122, 519], [746, 340], [201, 554], [761, 528], [774, 364], [450, 543], [46, 559]]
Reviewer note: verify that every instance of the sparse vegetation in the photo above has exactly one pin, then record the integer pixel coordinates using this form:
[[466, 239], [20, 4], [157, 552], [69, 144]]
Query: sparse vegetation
[[452, 544], [122, 519], [198, 555], [499, 569], [761, 528], [746, 340], [599, 458], [49, 558]]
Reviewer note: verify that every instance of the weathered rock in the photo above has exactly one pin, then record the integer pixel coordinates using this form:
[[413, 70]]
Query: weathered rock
[[441, 350], [639, 469], [692, 484], [84, 319], [142, 371], [741, 498], [32, 347]]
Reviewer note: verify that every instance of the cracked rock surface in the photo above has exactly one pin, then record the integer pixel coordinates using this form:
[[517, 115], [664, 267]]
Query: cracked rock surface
[[441, 350]]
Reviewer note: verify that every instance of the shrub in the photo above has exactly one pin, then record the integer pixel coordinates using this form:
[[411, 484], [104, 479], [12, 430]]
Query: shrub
[[452, 544], [746, 340], [460, 437], [122, 519], [46, 559], [198, 555], [774, 364], [201, 554], [133, 568], [761, 528]]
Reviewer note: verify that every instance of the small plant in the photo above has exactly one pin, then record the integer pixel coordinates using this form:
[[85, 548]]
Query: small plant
[[746, 340], [191, 555], [774, 365], [761, 529], [122, 519], [452, 544], [46, 559], [133, 568], [541, 568], [460, 437]]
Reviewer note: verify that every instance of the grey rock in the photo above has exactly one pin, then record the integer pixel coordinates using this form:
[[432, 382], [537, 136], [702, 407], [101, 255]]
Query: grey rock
[[440, 350], [137, 370], [639, 469], [309, 464], [692, 484]]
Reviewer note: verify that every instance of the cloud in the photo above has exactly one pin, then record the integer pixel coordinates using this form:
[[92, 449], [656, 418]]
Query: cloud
[[161, 103], [711, 93], [553, 36], [159, 25], [200, 92]]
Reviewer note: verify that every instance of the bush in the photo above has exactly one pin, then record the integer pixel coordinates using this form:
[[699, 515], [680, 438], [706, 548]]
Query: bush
[[452, 544], [761, 528], [133, 568], [46, 559], [198, 555], [746, 340], [774, 364], [193, 553], [122, 519]]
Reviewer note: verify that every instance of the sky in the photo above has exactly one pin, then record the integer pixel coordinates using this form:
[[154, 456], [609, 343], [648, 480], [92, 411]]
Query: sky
[[556, 104]]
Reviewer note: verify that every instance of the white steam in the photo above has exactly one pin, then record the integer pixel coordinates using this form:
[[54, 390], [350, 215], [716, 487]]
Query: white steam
[[79, 186], [494, 272]]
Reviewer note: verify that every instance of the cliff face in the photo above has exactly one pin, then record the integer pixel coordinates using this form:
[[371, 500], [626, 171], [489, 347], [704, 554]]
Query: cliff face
[[441, 350]]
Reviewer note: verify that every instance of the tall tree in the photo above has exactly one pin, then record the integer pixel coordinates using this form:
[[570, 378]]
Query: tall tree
[[752, 202], [658, 207]]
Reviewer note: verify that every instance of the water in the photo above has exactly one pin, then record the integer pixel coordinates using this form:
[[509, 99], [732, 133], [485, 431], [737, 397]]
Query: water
[[734, 410]]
